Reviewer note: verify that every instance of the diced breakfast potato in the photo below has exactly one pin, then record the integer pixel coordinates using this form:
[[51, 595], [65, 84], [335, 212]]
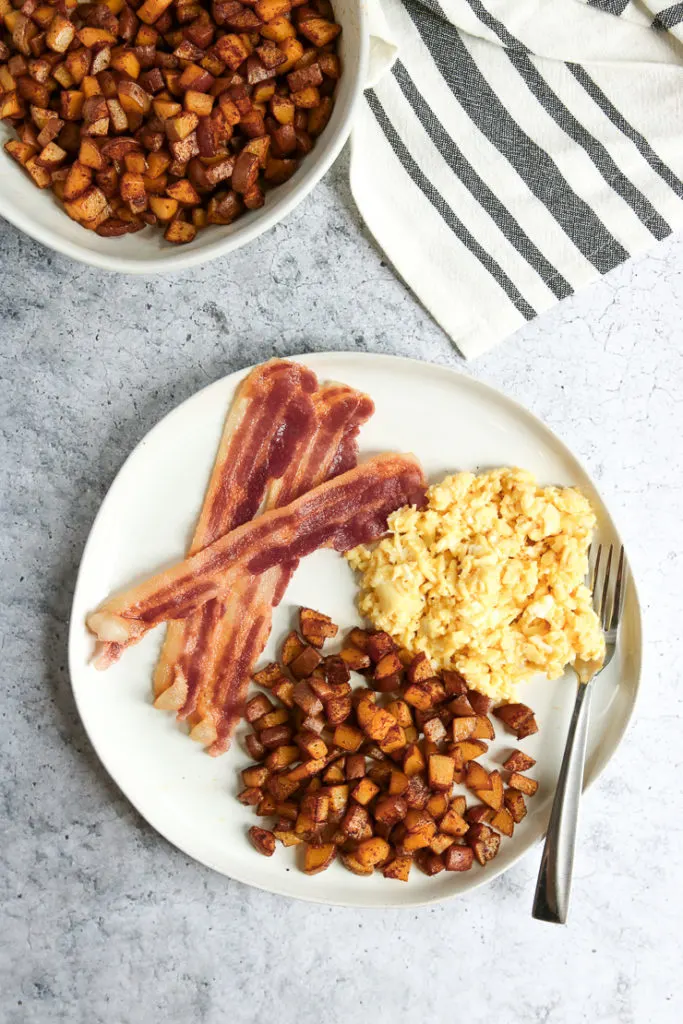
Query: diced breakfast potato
[[229, 96], [366, 776]]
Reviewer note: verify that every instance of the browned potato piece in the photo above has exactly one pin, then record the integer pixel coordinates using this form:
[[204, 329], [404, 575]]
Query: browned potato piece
[[356, 660], [463, 728], [470, 749], [458, 858], [503, 821], [513, 716], [256, 707], [379, 644], [315, 627], [420, 669], [493, 793], [514, 801], [441, 769], [398, 868], [292, 647], [440, 842], [308, 659], [480, 812], [347, 737], [477, 778], [484, 841], [523, 783], [398, 782], [262, 840], [180, 232], [256, 775], [437, 805], [453, 824], [428, 862], [371, 852], [483, 729], [350, 861], [401, 712], [389, 810], [413, 760], [269, 675], [318, 858], [250, 795], [355, 821], [364, 791], [518, 761]]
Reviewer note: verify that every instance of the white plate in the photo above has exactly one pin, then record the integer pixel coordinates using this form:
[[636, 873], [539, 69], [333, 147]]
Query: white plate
[[451, 422]]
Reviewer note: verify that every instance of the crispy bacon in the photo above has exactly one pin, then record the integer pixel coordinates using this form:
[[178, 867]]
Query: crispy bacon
[[340, 513], [270, 419], [228, 657]]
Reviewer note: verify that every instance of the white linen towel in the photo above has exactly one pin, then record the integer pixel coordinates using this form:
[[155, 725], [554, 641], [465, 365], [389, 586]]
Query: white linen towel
[[518, 149]]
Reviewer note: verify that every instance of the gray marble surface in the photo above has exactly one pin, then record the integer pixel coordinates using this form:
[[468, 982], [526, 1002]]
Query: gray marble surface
[[101, 921]]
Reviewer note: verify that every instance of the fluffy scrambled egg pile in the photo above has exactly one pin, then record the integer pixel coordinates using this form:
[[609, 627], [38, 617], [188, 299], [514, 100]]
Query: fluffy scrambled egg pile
[[487, 579]]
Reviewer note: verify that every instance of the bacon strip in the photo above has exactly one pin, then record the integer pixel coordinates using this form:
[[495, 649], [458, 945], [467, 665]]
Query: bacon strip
[[269, 420], [229, 656], [340, 513]]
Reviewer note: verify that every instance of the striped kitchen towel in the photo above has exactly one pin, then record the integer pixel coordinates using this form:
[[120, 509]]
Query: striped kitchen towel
[[518, 149]]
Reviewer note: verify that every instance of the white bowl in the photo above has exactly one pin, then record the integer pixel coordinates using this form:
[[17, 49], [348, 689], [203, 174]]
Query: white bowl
[[40, 214]]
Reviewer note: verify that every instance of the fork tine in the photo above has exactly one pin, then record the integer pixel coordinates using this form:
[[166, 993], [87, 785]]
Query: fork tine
[[605, 591], [594, 570], [618, 591]]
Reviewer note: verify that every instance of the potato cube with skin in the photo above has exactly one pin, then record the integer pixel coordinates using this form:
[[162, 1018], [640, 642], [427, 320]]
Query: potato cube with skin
[[372, 852], [477, 778], [256, 707], [184, 192], [347, 737], [250, 796], [458, 858], [435, 730], [441, 769], [401, 712], [339, 797], [355, 821], [60, 34], [305, 698], [428, 862], [518, 761], [152, 10], [315, 627], [469, 750], [278, 716], [262, 840], [78, 180], [269, 9], [437, 805], [503, 821], [337, 710], [335, 773], [244, 177], [398, 868], [364, 791], [453, 824], [282, 756], [389, 810], [350, 861], [276, 736], [21, 151], [492, 795], [516, 805], [356, 660], [41, 175], [480, 812], [484, 842], [355, 766], [269, 675], [318, 858], [413, 760], [523, 783], [513, 716], [311, 744]]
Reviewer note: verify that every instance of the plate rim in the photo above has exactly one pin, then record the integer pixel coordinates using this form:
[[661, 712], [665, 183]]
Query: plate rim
[[317, 360]]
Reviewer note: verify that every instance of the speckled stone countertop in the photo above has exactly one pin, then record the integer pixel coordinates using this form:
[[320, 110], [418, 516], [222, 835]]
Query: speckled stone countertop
[[101, 921]]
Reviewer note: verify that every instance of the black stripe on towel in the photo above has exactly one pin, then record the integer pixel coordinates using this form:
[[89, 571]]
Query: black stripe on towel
[[538, 171], [553, 105], [618, 119], [443, 209], [669, 17], [611, 6], [461, 167]]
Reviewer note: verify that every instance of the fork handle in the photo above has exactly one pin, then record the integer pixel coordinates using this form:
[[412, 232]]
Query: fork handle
[[551, 899]]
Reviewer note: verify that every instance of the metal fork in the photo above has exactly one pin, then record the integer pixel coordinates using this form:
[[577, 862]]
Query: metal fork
[[551, 899]]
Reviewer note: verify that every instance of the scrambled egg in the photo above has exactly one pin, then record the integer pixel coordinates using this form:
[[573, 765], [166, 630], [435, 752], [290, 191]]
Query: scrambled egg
[[487, 579]]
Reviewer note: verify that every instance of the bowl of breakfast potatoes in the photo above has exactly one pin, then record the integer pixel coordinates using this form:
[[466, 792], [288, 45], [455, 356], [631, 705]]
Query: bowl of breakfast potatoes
[[151, 136]]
